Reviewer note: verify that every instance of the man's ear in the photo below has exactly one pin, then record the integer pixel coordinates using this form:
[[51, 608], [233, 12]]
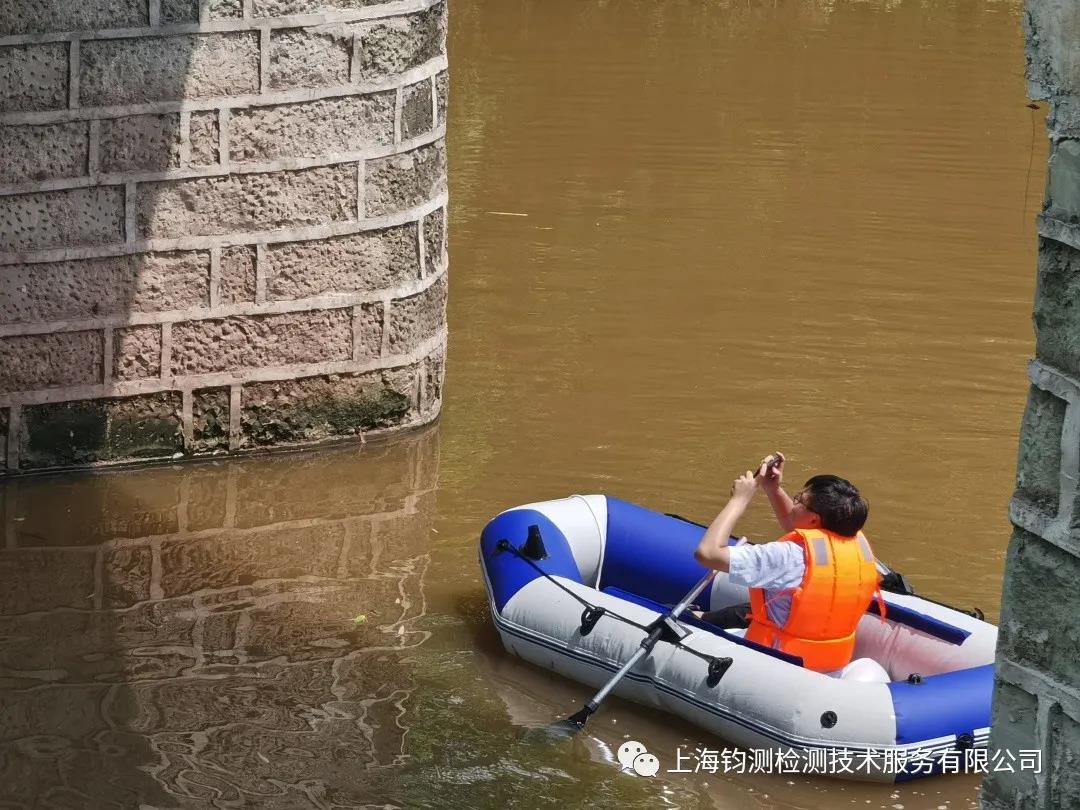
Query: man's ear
[[815, 520]]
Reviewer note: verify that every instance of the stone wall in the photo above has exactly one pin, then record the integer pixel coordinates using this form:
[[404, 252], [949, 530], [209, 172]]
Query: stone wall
[[222, 224], [1037, 696]]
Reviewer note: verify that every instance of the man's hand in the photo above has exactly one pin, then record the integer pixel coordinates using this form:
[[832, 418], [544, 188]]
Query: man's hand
[[744, 487], [771, 471]]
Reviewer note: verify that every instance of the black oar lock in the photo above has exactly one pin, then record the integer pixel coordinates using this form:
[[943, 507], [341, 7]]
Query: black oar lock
[[589, 617], [717, 669], [534, 545]]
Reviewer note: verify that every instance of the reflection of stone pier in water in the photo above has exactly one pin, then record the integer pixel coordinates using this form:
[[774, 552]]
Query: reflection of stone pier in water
[[186, 637]]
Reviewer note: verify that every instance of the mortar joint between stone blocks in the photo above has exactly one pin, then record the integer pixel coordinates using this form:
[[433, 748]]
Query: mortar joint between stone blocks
[[223, 137], [264, 59], [185, 138], [93, 150], [187, 418], [421, 246], [73, 75], [384, 348], [260, 273], [355, 57], [129, 213], [166, 351], [204, 12], [399, 101], [246, 10], [361, 186], [14, 437], [215, 276], [153, 13], [108, 356], [434, 102], [235, 392]]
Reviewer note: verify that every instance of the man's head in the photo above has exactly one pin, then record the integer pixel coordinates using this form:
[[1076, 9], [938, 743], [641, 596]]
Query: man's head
[[831, 503]]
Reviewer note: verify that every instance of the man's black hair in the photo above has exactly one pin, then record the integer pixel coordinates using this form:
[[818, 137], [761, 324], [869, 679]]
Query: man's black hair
[[838, 503]]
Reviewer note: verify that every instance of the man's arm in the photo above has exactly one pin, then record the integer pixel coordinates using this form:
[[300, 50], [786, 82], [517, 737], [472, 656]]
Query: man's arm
[[713, 551], [771, 477]]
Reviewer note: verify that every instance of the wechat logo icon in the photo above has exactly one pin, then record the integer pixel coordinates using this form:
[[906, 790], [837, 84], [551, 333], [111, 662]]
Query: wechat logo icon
[[634, 757]]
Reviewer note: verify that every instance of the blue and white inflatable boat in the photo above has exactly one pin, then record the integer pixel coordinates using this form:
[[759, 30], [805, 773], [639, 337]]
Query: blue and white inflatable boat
[[574, 585]]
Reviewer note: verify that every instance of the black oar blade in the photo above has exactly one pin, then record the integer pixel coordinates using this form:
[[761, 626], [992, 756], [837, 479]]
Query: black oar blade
[[570, 726]]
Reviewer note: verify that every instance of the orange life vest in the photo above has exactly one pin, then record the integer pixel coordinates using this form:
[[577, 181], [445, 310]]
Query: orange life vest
[[837, 588]]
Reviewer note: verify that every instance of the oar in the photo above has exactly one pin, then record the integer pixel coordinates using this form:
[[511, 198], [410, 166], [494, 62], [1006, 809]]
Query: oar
[[576, 722]]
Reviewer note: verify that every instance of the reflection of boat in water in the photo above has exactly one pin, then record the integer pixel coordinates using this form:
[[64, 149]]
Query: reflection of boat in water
[[575, 584]]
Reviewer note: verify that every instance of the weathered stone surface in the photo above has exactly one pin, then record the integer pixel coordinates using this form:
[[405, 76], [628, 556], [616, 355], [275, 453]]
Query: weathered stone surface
[[1063, 181], [189, 565], [140, 142], [237, 275], [442, 94], [397, 182], [1036, 566], [1012, 729], [204, 138], [46, 219], [126, 572], [34, 77], [201, 66], [210, 419], [312, 128], [226, 9], [317, 408], [84, 431], [1038, 469], [179, 11], [368, 330], [435, 370], [417, 318], [1057, 306], [397, 44], [417, 114], [1064, 766], [285, 8], [226, 344], [137, 352], [43, 579], [40, 16], [310, 57], [247, 202], [434, 239], [32, 362], [43, 152], [371, 260], [106, 286]]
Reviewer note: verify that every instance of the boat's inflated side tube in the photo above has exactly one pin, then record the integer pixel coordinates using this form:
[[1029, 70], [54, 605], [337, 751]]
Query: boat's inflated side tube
[[650, 554], [508, 571]]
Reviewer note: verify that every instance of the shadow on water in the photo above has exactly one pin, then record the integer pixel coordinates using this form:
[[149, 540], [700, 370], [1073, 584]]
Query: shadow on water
[[238, 633]]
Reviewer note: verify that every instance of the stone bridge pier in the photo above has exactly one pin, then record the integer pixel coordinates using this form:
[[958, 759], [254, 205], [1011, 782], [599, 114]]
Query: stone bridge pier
[[222, 225], [1037, 695]]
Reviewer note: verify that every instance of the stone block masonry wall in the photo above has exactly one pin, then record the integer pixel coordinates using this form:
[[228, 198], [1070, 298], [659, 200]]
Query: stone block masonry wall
[[222, 225], [1037, 695]]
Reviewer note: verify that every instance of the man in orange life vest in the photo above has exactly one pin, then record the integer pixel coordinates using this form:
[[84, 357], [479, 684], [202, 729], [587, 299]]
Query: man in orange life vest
[[809, 589]]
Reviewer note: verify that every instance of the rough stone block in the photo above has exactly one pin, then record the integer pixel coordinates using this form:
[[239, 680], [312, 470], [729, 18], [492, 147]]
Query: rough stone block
[[317, 408], [247, 202], [210, 418], [43, 152], [47, 219], [32, 362], [367, 261], [226, 9], [87, 288], [310, 57], [140, 143], [42, 16], [227, 344], [1038, 468], [434, 239], [1012, 729], [34, 77], [237, 275], [442, 94], [368, 330], [126, 576], [398, 182], [1043, 632], [312, 128], [133, 71], [1064, 767], [67, 434], [1053, 29], [398, 44], [1057, 306], [435, 371], [1063, 181], [179, 11], [137, 352], [287, 8], [417, 318], [204, 138], [417, 115]]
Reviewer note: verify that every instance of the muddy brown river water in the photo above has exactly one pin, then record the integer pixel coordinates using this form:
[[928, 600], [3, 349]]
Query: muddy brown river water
[[683, 234]]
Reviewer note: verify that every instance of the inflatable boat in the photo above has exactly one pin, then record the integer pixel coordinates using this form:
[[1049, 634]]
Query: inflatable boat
[[576, 584]]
